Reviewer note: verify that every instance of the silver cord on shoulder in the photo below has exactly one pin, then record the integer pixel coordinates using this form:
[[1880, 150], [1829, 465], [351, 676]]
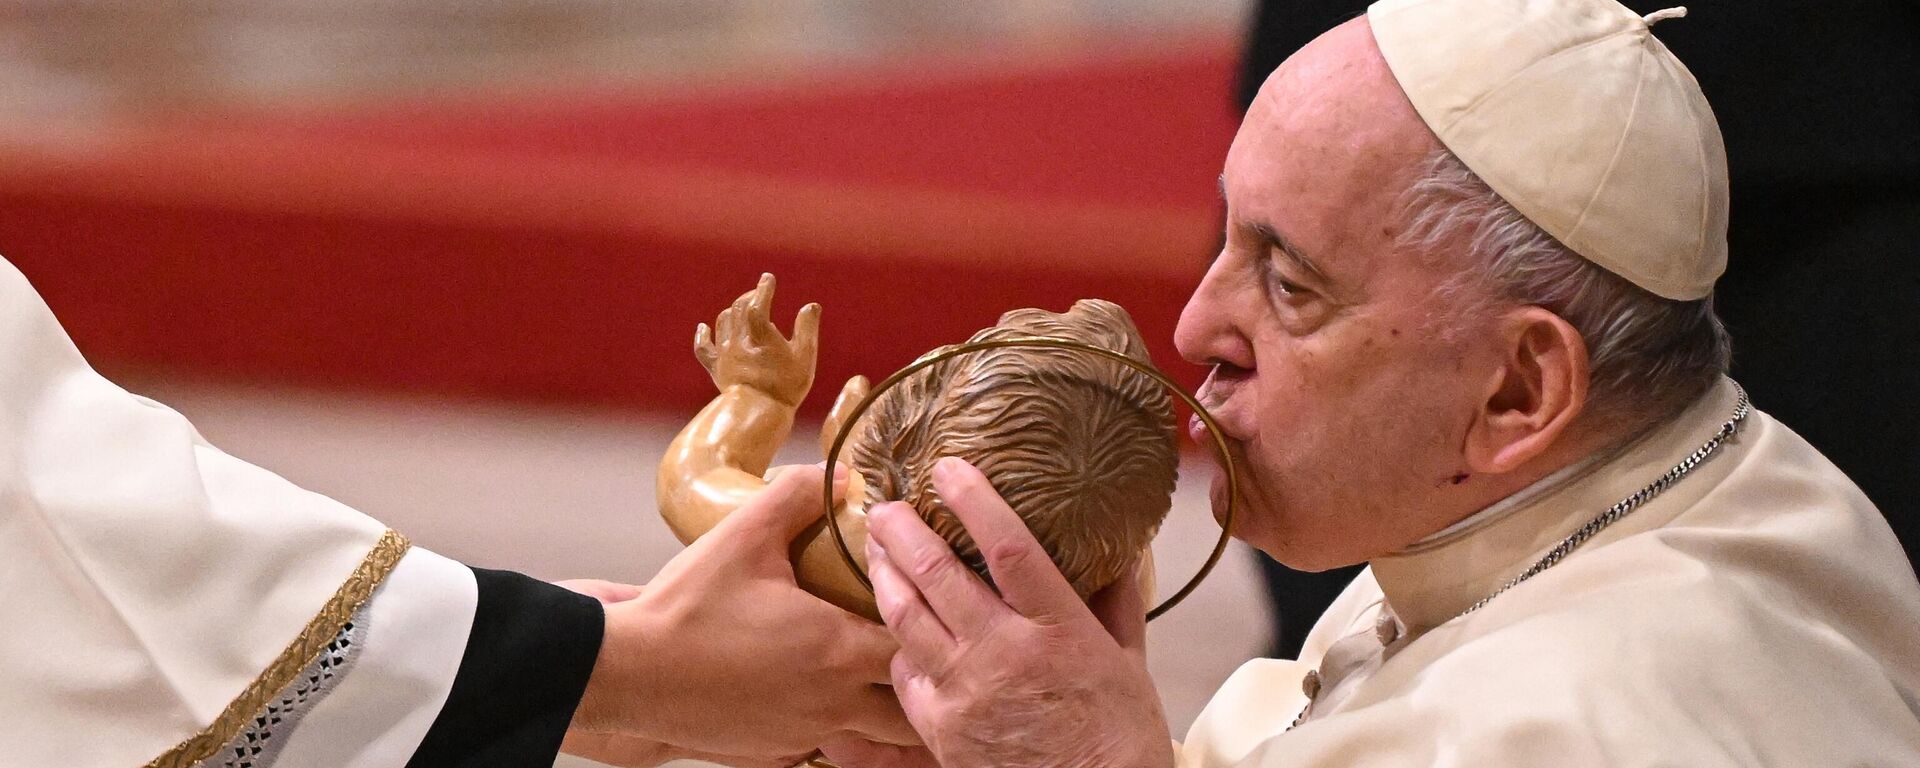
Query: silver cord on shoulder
[[1624, 506], [1612, 515]]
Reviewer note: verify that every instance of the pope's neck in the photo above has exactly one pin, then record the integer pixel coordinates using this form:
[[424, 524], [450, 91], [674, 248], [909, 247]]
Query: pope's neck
[[1437, 577], [1586, 443]]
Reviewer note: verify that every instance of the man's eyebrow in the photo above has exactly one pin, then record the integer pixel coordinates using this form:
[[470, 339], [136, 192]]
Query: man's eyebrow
[[1279, 242]]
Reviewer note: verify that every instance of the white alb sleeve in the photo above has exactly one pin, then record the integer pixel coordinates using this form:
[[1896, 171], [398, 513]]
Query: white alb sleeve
[[410, 642]]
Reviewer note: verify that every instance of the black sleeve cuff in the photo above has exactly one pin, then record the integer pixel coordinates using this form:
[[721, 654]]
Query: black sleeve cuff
[[526, 666]]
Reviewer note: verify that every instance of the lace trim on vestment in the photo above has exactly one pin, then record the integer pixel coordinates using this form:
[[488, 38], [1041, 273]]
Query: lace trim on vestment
[[287, 667], [261, 740]]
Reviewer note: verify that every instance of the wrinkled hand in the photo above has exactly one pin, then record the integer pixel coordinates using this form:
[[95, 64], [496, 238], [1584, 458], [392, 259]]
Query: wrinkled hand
[[744, 347], [723, 654], [1030, 676]]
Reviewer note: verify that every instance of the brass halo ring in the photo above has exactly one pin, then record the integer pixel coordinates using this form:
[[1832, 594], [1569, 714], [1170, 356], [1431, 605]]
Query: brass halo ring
[[1040, 342]]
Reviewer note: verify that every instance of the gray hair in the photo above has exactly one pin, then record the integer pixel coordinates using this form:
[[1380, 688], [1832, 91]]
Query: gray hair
[[1647, 355]]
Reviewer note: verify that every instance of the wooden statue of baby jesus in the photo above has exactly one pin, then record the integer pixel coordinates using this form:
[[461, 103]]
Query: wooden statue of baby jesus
[[1081, 447]]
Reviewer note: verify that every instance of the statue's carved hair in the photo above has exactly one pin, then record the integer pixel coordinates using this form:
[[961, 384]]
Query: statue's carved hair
[[1081, 447]]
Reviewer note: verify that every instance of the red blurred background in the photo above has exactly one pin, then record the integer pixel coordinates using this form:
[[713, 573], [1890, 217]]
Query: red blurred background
[[538, 201], [443, 260]]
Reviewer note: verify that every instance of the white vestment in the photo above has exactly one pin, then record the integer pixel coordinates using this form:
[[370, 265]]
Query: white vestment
[[1758, 612], [148, 580]]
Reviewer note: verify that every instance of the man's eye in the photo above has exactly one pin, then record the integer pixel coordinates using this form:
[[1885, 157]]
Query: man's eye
[[1283, 288]]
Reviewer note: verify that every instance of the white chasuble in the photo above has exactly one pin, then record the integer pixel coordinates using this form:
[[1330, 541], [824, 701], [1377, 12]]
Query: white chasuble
[[1757, 612], [158, 596]]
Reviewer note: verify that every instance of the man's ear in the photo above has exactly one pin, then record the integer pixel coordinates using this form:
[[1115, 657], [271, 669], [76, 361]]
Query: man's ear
[[1533, 396]]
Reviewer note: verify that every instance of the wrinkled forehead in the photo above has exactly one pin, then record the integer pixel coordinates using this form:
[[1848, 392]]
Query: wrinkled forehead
[[1329, 146]]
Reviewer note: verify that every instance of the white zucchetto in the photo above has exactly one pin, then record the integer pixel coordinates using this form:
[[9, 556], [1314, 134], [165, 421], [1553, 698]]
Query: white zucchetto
[[1575, 114]]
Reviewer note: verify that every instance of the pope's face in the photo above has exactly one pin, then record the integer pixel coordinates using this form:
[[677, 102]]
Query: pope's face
[[1339, 378]]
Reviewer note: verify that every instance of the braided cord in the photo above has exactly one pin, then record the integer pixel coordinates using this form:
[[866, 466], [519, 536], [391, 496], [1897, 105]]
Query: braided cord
[[1612, 515], [1624, 506]]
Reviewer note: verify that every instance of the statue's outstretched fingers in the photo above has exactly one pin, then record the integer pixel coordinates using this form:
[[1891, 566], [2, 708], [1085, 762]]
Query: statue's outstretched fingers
[[703, 348], [761, 329], [743, 315], [761, 299], [723, 327], [806, 330]]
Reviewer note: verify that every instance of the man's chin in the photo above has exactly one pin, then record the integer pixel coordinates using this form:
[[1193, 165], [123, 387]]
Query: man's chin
[[1264, 529], [1309, 559], [1217, 498], [1244, 526], [1217, 489]]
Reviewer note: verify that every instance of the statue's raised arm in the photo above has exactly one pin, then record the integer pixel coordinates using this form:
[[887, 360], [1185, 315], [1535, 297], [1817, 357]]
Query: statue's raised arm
[[720, 459]]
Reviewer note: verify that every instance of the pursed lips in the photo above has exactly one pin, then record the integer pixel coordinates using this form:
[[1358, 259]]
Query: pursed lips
[[1213, 394]]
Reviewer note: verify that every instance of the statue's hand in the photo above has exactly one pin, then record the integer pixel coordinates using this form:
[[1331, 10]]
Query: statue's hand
[[849, 399], [746, 348]]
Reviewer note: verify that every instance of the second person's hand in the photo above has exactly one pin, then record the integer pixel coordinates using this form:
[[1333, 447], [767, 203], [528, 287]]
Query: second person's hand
[[723, 653]]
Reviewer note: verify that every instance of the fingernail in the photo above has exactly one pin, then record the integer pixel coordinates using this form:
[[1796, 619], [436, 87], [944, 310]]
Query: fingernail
[[943, 469]]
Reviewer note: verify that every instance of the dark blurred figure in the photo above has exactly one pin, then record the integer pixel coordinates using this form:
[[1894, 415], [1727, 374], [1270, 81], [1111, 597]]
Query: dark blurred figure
[[1819, 101]]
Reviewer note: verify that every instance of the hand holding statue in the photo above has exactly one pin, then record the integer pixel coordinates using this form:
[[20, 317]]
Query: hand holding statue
[[722, 655], [1029, 676]]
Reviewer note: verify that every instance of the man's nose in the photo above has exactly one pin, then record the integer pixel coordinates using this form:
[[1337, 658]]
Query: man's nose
[[1206, 334]]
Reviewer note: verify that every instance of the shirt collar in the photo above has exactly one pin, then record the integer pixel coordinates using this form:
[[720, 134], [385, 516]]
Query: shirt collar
[[1436, 578]]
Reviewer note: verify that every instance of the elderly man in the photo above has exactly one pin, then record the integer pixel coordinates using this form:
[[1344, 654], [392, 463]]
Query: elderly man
[[1462, 330], [1825, 178]]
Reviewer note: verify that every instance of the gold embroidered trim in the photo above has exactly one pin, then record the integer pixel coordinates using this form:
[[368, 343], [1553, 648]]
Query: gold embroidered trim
[[302, 651]]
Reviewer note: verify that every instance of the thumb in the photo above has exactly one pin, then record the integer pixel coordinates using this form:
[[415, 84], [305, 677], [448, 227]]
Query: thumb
[[794, 501], [1122, 610]]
